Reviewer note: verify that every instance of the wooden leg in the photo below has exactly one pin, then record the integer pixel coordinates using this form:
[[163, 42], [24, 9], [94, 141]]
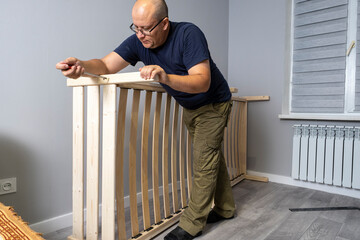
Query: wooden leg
[[78, 163], [92, 191], [108, 162]]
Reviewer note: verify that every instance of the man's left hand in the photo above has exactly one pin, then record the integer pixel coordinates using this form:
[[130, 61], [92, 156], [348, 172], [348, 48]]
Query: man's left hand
[[150, 71]]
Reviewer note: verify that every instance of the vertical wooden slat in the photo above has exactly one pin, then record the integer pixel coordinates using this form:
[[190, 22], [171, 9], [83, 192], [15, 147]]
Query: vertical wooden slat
[[78, 163], [174, 158], [165, 154], [120, 164], [237, 139], [132, 164], [155, 158], [182, 160], [188, 163], [108, 162], [231, 145], [144, 160], [92, 192], [243, 136], [233, 149]]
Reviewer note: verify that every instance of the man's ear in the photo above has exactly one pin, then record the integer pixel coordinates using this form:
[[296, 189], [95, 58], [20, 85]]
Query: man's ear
[[166, 24]]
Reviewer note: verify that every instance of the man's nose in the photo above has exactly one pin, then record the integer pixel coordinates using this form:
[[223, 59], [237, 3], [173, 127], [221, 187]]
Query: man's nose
[[140, 34]]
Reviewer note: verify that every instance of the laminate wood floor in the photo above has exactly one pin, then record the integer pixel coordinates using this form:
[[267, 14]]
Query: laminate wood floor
[[263, 214]]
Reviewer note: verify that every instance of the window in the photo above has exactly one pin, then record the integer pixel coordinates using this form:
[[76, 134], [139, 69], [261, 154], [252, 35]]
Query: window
[[325, 71]]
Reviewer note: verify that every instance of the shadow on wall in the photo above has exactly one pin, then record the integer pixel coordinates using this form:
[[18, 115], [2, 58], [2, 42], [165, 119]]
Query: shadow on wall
[[16, 161]]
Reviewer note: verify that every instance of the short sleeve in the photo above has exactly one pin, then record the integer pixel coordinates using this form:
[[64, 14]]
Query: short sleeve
[[128, 50], [195, 47]]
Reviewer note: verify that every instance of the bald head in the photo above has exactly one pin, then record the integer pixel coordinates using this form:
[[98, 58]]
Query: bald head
[[156, 9]]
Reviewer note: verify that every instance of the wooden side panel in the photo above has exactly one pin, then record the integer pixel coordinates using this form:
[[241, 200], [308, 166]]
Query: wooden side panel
[[120, 165], [92, 191], [78, 163], [144, 160], [108, 162], [132, 164]]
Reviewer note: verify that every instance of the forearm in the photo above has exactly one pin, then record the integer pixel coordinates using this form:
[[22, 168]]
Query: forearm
[[196, 83], [95, 66]]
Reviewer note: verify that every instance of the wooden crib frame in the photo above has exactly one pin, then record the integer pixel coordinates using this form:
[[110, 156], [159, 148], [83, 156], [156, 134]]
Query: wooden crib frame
[[170, 150]]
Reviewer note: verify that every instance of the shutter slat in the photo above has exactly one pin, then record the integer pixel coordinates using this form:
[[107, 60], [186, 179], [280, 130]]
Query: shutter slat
[[320, 52], [321, 16], [316, 5], [320, 40], [319, 77], [321, 28], [319, 65]]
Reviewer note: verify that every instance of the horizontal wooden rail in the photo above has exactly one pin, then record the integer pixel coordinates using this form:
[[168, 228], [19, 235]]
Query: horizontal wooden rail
[[146, 167]]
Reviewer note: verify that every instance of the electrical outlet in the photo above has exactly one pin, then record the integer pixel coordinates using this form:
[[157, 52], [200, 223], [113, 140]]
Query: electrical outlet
[[7, 185]]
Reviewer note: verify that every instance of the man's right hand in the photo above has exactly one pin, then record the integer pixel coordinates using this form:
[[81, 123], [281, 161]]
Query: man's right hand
[[71, 67]]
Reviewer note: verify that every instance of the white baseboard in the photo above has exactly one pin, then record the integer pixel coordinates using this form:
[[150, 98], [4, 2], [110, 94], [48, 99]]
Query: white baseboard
[[311, 185], [53, 224], [64, 221]]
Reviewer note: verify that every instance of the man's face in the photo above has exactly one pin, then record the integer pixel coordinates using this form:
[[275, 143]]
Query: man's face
[[144, 21]]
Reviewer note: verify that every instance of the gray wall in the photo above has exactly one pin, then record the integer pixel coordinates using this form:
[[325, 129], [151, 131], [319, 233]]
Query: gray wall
[[259, 65], [35, 104]]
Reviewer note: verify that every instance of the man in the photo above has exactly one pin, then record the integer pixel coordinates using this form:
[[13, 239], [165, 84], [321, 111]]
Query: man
[[178, 54]]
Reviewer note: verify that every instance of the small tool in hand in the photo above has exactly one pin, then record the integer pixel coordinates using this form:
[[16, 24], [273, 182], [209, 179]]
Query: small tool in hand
[[91, 74]]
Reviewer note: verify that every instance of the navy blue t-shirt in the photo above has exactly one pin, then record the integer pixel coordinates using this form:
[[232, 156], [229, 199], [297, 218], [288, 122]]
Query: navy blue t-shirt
[[185, 47]]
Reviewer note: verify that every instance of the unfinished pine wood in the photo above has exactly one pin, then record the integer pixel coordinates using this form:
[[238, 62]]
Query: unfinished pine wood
[[93, 141], [120, 164], [231, 144], [256, 98], [233, 141], [108, 162], [78, 163], [155, 158], [182, 160], [132, 163], [144, 160], [165, 154], [119, 78], [157, 229], [174, 137], [237, 114], [243, 136], [113, 157]]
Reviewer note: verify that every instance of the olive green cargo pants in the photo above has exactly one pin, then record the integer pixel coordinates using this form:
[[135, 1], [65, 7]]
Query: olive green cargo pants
[[211, 180]]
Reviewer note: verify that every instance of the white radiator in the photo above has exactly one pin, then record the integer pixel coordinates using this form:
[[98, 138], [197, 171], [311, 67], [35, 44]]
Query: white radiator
[[327, 154]]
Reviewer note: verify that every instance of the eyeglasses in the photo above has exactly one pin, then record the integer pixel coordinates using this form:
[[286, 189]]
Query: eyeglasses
[[145, 31]]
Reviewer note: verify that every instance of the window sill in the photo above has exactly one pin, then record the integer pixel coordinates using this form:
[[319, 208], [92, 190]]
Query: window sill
[[320, 117]]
